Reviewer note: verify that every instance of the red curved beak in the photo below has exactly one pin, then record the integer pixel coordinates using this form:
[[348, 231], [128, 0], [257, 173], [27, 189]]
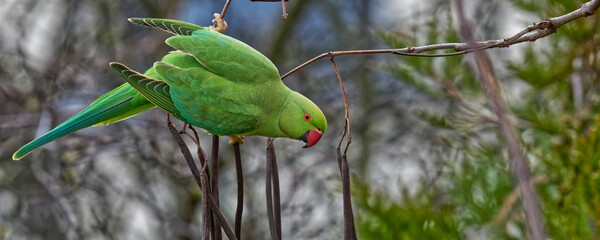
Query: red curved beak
[[311, 137]]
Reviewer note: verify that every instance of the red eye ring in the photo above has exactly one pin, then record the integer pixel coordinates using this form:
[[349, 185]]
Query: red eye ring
[[307, 117]]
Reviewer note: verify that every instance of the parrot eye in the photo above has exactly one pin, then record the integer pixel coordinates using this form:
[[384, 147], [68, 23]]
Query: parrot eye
[[307, 117]]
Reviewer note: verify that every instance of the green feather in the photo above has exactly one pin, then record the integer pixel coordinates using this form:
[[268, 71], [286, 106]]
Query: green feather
[[167, 25], [137, 104], [155, 91], [108, 106], [226, 56], [209, 101]]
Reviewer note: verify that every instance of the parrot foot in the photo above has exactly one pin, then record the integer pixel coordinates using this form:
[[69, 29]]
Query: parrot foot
[[219, 24], [233, 139]]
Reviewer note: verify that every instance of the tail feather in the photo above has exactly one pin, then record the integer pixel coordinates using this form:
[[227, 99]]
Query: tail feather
[[109, 106]]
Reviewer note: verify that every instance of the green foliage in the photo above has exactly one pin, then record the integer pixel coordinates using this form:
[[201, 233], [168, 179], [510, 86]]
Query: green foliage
[[413, 217], [573, 187], [466, 198], [559, 125], [419, 72]]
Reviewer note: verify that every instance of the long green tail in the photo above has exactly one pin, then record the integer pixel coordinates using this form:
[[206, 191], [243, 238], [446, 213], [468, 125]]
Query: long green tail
[[116, 105], [122, 102]]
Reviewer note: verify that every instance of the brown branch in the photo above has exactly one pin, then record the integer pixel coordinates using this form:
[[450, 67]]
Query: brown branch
[[201, 180], [283, 8], [221, 218], [199, 151], [225, 8], [186, 153], [489, 82], [347, 129], [528, 34], [207, 216], [349, 229], [284, 14]]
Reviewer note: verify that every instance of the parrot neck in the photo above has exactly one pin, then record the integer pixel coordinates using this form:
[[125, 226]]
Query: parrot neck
[[289, 114], [287, 99], [282, 132]]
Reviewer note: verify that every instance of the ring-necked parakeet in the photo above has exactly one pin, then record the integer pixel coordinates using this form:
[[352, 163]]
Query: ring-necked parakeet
[[211, 81]]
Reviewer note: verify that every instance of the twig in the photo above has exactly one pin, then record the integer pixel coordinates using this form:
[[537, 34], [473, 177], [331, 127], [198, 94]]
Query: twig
[[347, 128], [198, 177], [225, 8], [284, 14], [492, 91], [221, 218], [240, 191], [199, 151], [207, 213], [186, 153], [528, 34], [349, 229], [283, 8]]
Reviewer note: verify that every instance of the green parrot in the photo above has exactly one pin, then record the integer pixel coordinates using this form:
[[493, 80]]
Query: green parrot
[[212, 81]]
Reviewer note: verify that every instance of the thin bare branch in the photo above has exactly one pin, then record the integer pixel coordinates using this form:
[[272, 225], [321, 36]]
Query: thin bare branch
[[225, 8], [283, 8], [221, 218], [186, 153], [347, 129], [284, 14], [198, 176], [199, 151], [529, 34], [349, 229]]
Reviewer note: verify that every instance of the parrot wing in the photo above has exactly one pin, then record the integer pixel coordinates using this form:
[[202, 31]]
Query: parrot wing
[[226, 57], [167, 25], [155, 91], [209, 101]]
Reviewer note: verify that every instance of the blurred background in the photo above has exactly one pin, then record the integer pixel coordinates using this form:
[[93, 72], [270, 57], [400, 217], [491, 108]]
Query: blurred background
[[426, 163]]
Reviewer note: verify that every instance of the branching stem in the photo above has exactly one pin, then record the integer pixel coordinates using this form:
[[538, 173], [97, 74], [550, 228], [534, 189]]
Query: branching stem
[[349, 229], [202, 181], [529, 34]]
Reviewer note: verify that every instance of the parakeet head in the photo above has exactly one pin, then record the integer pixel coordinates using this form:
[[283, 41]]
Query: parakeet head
[[301, 119]]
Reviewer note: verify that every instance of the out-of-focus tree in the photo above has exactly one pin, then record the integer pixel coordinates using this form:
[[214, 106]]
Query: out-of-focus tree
[[468, 191], [426, 163], [129, 180]]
